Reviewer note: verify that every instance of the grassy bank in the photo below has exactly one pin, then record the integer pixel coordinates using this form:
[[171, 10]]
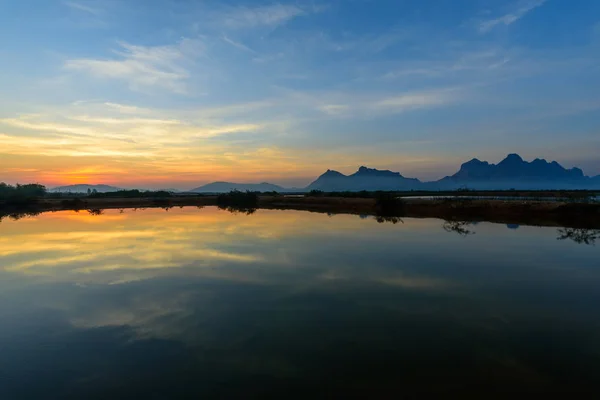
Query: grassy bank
[[542, 213], [86, 203], [566, 195]]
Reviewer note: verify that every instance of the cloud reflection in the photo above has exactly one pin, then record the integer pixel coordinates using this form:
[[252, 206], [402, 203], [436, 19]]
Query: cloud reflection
[[84, 247], [162, 296]]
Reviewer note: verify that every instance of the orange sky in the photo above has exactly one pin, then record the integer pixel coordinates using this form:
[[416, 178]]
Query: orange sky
[[152, 153], [185, 93]]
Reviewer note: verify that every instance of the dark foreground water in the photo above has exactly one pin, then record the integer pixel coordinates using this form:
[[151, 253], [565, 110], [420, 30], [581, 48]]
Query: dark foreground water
[[203, 303]]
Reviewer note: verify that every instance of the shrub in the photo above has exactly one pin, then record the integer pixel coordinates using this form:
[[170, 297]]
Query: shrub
[[238, 201], [73, 204], [161, 202], [389, 204], [315, 193]]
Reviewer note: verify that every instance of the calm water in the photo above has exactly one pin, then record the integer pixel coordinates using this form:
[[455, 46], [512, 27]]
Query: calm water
[[512, 198], [202, 303]]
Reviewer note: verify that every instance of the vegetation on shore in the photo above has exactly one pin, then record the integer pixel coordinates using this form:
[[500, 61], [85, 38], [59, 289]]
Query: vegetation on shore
[[237, 201], [579, 221], [21, 193], [576, 209], [541, 195], [389, 205]]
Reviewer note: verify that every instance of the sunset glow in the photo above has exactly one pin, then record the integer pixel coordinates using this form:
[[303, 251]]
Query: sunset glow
[[92, 92]]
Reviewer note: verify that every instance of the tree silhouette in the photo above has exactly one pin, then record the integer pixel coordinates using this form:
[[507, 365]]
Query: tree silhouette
[[95, 211], [460, 227], [21, 193], [236, 201], [579, 235], [383, 219]]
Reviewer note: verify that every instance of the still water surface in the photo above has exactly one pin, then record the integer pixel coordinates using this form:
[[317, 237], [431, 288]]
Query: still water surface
[[203, 303]]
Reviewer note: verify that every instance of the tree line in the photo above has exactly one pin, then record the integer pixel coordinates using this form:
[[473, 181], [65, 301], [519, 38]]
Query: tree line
[[19, 193]]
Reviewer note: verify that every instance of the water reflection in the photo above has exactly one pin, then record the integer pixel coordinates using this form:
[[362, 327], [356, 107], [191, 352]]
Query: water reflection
[[204, 303], [383, 219], [459, 227], [579, 236], [96, 211], [15, 216], [239, 209]]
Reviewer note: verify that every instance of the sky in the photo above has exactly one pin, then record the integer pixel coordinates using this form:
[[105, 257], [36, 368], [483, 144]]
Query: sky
[[179, 93]]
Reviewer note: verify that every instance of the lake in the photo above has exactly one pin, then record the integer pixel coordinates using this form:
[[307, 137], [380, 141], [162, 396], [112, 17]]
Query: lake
[[590, 199], [204, 303]]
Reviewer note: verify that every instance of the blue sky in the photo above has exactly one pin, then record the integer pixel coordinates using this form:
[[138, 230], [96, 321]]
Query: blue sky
[[178, 92]]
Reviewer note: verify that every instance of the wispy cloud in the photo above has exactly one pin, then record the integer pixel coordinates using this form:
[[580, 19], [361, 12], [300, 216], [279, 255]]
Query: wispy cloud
[[99, 132], [82, 7], [125, 109], [145, 67], [238, 45], [271, 15], [413, 101], [512, 17], [357, 105], [468, 62], [334, 109]]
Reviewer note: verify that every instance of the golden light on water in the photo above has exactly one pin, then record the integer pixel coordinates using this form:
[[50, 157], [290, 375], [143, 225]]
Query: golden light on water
[[81, 247]]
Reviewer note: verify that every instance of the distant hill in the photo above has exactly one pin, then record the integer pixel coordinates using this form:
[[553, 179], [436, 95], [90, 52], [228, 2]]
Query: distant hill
[[511, 173], [84, 188], [363, 179], [223, 187], [514, 172]]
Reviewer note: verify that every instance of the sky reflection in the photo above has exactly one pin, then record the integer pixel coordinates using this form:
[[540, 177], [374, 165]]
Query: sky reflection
[[145, 302]]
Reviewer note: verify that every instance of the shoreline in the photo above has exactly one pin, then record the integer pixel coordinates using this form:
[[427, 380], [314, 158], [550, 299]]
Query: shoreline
[[536, 213]]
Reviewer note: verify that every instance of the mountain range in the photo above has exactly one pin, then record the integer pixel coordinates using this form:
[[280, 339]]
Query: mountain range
[[363, 179], [514, 172], [221, 187], [84, 188], [511, 173]]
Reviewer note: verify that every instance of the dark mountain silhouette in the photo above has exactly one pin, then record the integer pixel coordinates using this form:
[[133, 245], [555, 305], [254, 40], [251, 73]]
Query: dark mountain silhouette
[[83, 188], [363, 179], [514, 172], [511, 173], [330, 181], [222, 187]]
